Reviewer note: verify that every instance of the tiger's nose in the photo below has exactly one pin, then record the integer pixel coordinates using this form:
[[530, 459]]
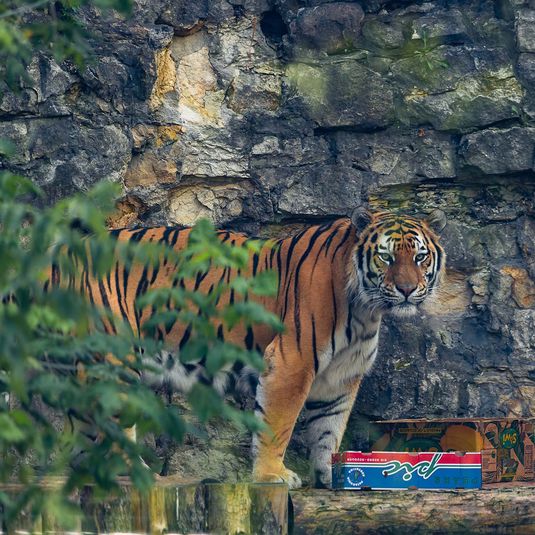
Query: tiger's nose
[[406, 289]]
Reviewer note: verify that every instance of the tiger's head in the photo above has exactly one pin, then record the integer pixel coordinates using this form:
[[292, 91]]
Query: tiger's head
[[399, 260]]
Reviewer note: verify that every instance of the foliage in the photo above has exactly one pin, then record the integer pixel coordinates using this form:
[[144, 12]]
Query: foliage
[[51, 26], [48, 335], [56, 347]]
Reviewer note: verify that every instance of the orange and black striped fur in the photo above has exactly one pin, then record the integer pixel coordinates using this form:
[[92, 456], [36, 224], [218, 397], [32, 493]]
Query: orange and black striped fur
[[336, 280]]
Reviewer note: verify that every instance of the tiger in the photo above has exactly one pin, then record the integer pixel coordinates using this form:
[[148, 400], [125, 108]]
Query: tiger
[[336, 280]]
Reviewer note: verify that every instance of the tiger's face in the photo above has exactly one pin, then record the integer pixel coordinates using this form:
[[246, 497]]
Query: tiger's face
[[399, 261]]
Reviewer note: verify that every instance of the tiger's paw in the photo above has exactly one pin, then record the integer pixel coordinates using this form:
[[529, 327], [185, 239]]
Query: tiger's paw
[[284, 476], [322, 479]]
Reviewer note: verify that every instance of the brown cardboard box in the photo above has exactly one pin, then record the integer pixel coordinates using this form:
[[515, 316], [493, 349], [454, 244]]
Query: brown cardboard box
[[507, 445]]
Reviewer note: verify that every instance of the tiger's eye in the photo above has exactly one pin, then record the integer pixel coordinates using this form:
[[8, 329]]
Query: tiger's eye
[[385, 257], [420, 257]]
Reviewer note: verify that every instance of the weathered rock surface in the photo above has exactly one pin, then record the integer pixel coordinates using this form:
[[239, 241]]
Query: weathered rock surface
[[331, 29], [264, 114], [497, 151]]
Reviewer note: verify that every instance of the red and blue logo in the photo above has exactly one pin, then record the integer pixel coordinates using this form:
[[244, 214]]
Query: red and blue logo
[[393, 470]]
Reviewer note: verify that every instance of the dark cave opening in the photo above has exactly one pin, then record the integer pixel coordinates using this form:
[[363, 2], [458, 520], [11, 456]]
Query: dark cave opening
[[273, 26]]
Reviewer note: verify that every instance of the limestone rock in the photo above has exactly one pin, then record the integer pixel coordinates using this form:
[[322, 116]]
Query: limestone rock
[[309, 183], [495, 151], [343, 94], [441, 25], [127, 213], [252, 91], [214, 154], [383, 35], [526, 242], [458, 88], [219, 203], [523, 288], [526, 69], [398, 156], [150, 168], [16, 132], [525, 30], [147, 135], [475, 102], [50, 79], [314, 191], [328, 28]]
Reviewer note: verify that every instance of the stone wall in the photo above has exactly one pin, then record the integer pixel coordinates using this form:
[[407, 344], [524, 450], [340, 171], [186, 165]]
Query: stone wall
[[265, 114]]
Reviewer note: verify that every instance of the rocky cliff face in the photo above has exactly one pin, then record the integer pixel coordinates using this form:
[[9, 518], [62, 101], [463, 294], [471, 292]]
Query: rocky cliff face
[[264, 114]]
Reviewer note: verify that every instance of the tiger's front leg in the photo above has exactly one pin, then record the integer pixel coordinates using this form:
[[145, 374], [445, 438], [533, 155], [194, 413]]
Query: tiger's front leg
[[281, 394], [326, 413]]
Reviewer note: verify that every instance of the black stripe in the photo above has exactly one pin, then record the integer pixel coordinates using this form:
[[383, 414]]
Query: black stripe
[[315, 347], [335, 320], [140, 290], [118, 292], [185, 337], [255, 263], [271, 255], [237, 367], [297, 318], [259, 408], [349, 332], [220, 283], [155, 272], [293, 243], [138, 235], [279, 265], [342, 241], [105, 302], [174, 239], [199, 278], [165, 235], [323, 415], [326, 227], [370, 354], [329, 239], [220, 334], [165, 239], [249, 339], [360, 259], [55, 274], [323, 435], [324, 405], [367, 336], [88, 286], [108, 280], [135, 237], [438, 266], [252, 380]]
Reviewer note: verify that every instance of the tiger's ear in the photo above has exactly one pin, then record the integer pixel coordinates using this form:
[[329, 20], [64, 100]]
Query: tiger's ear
[[436, 221], [361, 217]]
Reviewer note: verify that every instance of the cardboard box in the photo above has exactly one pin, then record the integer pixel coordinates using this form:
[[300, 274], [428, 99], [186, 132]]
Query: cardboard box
[[379, 470], [507, 445]]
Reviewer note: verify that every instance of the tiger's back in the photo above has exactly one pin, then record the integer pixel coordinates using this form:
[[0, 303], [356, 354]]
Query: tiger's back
[[311, 284]]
